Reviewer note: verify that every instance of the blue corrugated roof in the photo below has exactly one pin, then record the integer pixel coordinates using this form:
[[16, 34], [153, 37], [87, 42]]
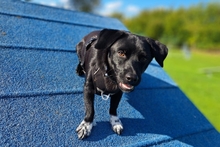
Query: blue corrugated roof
[[41, 98]]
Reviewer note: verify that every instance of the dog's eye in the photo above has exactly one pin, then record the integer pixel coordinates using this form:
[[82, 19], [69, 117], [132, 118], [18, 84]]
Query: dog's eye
[[121, 53]]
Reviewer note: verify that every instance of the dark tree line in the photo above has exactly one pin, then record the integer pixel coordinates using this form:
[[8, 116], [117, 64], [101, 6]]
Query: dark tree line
[[81, 5]]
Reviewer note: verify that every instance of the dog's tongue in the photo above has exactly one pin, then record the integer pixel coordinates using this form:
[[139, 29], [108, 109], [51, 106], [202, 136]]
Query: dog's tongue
[[126, 86]]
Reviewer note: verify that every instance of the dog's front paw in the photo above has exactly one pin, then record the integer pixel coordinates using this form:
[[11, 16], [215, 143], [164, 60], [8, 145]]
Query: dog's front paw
[[84, 129], [116, 124]]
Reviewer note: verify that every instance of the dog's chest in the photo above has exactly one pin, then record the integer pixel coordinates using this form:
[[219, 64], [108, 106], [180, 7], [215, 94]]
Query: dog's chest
[[103, 83]]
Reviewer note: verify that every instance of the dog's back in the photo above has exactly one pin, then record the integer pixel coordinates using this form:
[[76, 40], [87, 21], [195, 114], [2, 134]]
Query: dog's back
[[81, 49]]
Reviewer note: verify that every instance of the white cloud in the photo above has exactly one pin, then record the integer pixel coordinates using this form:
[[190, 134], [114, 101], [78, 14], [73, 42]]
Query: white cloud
[[111, 7], [48, 3], [65, 4], [53, 4], [64, 1], [132, 9]]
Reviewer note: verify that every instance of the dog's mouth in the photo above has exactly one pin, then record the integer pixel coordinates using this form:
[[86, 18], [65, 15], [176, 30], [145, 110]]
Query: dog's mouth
[[126, 87]]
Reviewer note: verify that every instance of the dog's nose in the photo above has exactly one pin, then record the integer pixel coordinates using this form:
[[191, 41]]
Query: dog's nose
[[131, 78]]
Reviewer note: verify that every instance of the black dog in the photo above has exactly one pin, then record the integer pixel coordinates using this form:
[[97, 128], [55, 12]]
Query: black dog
[[112, 62]]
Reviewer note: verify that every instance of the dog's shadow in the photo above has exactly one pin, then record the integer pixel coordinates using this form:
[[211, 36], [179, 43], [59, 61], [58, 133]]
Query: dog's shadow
[[164, 111]]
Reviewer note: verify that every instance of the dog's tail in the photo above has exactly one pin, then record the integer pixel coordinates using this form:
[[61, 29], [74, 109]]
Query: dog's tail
[[79, 70]]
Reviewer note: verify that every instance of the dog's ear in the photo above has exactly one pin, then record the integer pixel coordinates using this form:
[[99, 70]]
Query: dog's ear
[[107, 37], [158, 50]]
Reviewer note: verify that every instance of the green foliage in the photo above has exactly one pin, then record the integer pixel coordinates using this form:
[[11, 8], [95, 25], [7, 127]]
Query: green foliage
[[118, 15], [197, 26]]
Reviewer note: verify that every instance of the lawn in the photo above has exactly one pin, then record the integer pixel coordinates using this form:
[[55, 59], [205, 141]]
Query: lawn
[[202, 88]]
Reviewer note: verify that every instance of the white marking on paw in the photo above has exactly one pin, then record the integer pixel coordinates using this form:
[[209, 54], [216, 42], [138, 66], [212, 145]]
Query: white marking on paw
[[84, 129], [117, 126]]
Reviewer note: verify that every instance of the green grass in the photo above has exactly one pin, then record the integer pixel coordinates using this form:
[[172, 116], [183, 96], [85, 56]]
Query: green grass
[[201, 88]]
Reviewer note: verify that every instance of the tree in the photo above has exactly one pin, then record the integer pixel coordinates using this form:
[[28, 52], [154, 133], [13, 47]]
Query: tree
[[197, 25], [118, 15], [84, 5], [80, 5]]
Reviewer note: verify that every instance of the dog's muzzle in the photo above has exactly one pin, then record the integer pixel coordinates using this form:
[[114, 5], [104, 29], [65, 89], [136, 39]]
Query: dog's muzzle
[[126, 87]]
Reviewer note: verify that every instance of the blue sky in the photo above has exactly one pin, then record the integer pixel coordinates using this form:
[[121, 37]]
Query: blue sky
[[129, 7], [132, 7]]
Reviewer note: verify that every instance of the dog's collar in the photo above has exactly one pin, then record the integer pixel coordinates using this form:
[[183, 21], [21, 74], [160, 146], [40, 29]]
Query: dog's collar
[[103, 95], [99, 82], [100, 74], [106, 71], [88, 45], [102, 92]]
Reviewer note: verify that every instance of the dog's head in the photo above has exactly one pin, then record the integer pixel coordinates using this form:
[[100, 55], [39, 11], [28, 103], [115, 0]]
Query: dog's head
[[129, 55]]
